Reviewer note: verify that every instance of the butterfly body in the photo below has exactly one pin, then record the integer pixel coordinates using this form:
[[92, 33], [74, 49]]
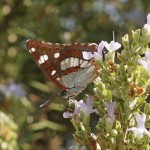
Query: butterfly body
[[64, 64]]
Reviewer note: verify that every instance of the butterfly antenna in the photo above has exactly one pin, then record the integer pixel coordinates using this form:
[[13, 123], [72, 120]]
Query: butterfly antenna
[[48, 102], [45, 104]]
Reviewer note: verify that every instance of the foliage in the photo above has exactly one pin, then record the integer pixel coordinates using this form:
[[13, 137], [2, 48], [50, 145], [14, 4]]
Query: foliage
[[23, 85]]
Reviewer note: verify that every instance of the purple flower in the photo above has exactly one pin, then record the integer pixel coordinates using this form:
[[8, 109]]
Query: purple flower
[[12, 89], [112, 46], [98, 54], [87, 107], [140, 129], [77, 108], [87, 55], [146, 63], [110, 111], [148, 19], [147, 25]]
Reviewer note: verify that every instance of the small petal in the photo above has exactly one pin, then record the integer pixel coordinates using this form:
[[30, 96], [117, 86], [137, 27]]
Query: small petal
[[143, 63], [110, 110], [99, 54], [147, 28], [148, 19], [78, 106], [140, 120], [147, 56], [112, 46], [140, 129], [146, 63], [87, 55], [87, 107], [67, 114], [100, 48]]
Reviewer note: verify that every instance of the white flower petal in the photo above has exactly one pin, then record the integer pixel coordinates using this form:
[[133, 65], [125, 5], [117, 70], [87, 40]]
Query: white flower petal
[[140, 129], [67, 114], [96, 55], [132, 129], [110, 111], [147, 28], [143, 63], [112, 46], [147, 56], [100, 48], [148, 19], [110, 108], [87, 107], [146, 63], [140, 118], [87, 55], [139, 132], [78, 106], [148, 66]]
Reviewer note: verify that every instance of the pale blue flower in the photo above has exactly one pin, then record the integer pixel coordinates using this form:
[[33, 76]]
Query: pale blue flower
[[148, 19], [140, 129], [78, 105], [87, 55], [112, 46], [96, 55], [87, 108], [110, 107], [146, 63], [147, 26], [99, 53], [12, 89]]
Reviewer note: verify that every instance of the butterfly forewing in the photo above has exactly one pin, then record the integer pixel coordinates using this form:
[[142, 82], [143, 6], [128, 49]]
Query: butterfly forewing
[[58, 60]]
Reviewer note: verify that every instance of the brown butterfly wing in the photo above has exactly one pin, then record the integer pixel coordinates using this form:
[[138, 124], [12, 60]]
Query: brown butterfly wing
[[57, 60]]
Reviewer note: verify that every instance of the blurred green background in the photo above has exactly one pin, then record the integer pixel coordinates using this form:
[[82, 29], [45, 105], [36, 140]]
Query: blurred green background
[[23, 87]]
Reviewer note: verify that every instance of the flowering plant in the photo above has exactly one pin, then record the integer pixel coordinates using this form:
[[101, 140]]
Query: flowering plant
[[121, 97]]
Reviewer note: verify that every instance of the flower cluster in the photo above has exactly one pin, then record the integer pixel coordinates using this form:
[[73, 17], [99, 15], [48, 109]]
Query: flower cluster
[[121, 96], [112, 46]]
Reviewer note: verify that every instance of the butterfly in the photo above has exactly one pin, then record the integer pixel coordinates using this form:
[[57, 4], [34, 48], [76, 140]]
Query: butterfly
[[64, 64]]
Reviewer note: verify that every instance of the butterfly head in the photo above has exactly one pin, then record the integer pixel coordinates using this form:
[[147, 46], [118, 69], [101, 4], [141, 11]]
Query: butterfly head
[[63, 94]]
